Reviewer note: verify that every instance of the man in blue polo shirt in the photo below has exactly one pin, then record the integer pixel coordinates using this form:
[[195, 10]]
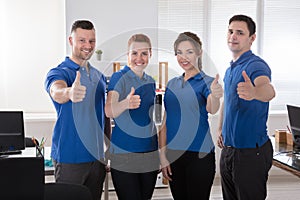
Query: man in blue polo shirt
[[77, 91], [247, 152]]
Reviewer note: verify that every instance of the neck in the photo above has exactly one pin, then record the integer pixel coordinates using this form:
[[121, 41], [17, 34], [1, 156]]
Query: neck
[[137, 72], [80, 62]]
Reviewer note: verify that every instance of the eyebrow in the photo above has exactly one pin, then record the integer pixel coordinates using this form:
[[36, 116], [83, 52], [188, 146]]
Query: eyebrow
[[240, 31], [186, 49]]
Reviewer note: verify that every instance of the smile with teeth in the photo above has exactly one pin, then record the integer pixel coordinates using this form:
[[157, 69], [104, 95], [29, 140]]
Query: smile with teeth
[[86, 51]]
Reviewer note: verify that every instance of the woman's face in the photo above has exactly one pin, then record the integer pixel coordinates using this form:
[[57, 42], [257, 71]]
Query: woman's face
[[187, 56], [138, 56]]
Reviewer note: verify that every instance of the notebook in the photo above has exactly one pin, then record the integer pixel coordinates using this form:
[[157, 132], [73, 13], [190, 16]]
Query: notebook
[[22, 178], [294, 119]]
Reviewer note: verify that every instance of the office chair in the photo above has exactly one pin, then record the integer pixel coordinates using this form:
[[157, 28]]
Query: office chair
[[64, 191]]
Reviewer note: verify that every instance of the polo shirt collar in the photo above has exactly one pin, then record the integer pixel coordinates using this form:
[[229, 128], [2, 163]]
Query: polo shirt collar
[[131, 74], [198, 76], [242, 58], [71, 63]]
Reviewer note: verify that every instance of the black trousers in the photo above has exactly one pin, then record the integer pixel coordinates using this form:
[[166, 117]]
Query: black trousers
[[91, 174], [244, 172], [134, 174], [134, 186], [192, 174]]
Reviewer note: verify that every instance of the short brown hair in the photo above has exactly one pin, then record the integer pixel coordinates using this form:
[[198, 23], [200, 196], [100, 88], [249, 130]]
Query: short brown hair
[[139, 38], [83, 24]]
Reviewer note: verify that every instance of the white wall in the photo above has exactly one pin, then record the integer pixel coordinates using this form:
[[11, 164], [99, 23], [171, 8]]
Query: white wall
[[33, 35], [115, 21], [34, 39]]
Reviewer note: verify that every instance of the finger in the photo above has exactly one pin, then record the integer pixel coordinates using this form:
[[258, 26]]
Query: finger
[[77, 78], [216, 79], [132, 91], [165, 172], [246, 77], [169, 173], [169, 170]]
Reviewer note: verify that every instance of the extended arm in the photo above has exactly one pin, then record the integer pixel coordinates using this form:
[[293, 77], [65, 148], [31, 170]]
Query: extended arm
[[262, 91], [61, 93], [213, 99], [114, 107]]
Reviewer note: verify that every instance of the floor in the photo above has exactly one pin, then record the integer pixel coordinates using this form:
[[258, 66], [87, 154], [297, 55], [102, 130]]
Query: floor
[[281, 186]]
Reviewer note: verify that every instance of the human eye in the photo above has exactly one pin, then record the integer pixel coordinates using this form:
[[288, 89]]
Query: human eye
[[133, 53], [145, 53], [190, 52], [240, 33], [178, 52], [92, 41], [230, 31]]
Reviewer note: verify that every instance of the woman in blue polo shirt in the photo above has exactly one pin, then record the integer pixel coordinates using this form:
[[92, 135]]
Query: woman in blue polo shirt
[[187, 149], [130, 101]]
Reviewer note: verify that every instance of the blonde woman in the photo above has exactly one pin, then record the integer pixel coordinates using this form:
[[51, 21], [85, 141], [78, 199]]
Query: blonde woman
[[130, 101]]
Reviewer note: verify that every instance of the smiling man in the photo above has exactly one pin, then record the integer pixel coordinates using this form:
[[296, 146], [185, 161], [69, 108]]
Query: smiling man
[[77, 91], [247, 152]]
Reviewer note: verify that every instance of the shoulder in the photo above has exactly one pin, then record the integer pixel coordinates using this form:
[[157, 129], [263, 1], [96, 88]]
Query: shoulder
[[116, 75], [149, 78], [175, 79], [258, 67]]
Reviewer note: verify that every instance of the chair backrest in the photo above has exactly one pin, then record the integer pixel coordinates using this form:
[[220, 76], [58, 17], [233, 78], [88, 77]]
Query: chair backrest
[[64, 191], [22, 178]]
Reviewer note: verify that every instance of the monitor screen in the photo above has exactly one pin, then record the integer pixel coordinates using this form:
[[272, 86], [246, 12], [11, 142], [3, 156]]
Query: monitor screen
[[12, 137], [294, 119]]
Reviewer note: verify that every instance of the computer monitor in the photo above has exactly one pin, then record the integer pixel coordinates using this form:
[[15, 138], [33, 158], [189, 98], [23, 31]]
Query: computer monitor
[[12, 136], [294, 119]]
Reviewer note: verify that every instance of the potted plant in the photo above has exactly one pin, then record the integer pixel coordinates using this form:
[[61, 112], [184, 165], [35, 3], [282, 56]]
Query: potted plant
[[99, 54]]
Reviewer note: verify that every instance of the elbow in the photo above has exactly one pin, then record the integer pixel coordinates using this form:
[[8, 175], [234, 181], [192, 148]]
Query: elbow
[[271, 96]]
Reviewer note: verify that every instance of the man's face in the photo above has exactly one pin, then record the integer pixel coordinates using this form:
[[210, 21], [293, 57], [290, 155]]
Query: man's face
[[238, 38], [83, 44]]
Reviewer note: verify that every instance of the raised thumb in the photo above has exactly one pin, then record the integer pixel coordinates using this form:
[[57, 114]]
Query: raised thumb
[[77, 78], [132, 91]]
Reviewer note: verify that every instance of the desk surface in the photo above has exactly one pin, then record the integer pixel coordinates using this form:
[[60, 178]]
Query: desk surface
[[31, 152], [285, 157]]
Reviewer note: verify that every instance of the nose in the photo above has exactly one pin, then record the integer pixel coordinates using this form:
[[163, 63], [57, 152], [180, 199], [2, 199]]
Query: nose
[[183, 56], [233, 36], [139, 56]]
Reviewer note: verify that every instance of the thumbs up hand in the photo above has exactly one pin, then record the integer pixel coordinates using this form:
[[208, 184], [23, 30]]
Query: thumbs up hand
[[134, 101], [216, 88], [78, 91], [246, 90]]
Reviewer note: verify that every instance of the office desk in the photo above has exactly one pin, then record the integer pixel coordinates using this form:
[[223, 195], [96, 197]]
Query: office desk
[[31, 152], [286, 158]]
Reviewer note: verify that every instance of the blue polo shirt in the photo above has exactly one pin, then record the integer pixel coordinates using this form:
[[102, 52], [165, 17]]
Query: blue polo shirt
[[244, 123], [187, 117], [134, 129], [78, 131]]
